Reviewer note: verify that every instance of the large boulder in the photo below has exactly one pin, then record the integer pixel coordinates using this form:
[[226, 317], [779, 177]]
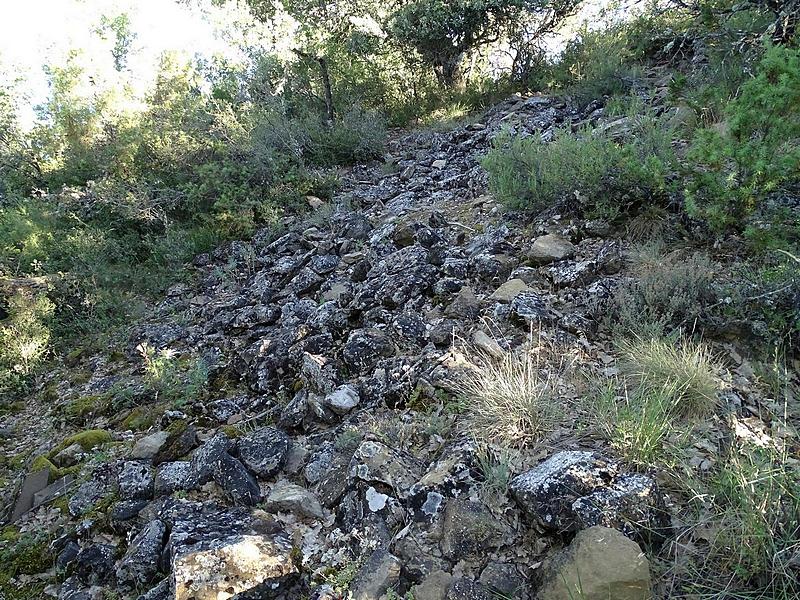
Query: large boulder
[[599, 564], [216, 553], [575, 490]]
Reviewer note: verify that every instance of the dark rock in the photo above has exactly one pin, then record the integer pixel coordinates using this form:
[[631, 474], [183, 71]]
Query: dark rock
[[139, 566], [449, 477], [292, 414], [529, 308], [264, 451], [203, 463], [504, 580], [136, 480], [239, 484], [162, 591], [91, 492], [376, 463], [125, 510], [364, 347], [178, 444], [465, 589], [469, 530], [173, 476], [571, 491], [95, 564], [442, 332], [66, 558]]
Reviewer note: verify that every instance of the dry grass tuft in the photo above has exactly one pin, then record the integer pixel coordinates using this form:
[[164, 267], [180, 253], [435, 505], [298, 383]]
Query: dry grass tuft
[[683, 372], [507, 402]]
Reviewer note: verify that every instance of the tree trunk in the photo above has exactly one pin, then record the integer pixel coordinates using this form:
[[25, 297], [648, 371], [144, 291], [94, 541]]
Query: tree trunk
[[326, 84], [448, 71], [327, 91]]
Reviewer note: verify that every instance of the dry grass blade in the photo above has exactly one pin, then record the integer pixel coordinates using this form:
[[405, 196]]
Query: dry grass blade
[[507, 402]]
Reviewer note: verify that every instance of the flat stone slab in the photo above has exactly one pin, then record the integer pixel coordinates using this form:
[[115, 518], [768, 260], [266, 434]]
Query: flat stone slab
[[34, 482]]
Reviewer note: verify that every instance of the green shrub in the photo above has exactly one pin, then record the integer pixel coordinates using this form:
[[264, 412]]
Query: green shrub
[[608, 176], [667, 292], [172, 379], [596, 63], [24, 339], [755, 151]]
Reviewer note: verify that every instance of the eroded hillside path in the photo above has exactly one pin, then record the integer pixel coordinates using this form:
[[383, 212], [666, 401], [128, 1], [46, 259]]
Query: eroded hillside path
[[329, 450]]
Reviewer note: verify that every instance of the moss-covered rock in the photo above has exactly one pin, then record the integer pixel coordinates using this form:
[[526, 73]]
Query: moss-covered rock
[[87, 406], [91, 438], [22, 554], [138, 419]]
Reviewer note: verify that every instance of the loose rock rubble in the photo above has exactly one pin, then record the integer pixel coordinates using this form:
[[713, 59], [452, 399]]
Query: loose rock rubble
[[297, 473]]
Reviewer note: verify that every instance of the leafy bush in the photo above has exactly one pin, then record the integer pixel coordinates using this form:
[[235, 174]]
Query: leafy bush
[[595, 63], [754, 152], [608, 176], [24, 338]]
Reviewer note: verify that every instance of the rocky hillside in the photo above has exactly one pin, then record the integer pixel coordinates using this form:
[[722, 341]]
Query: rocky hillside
[[300, 420]]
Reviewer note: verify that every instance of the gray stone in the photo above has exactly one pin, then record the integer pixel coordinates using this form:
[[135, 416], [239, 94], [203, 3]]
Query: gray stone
[[380, 572], [550, 248], [171, 477], [286, 496], [136, 480], [148, 446], [509, 290], [433, 587], [469, 530], [343, 399], [264, 451]]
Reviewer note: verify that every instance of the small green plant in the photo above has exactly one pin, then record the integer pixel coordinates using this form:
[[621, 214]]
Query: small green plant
[[495, 468], [23, 554], [637, 423], [667, 292], [754, 499], [348, 440], [171, 379]]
